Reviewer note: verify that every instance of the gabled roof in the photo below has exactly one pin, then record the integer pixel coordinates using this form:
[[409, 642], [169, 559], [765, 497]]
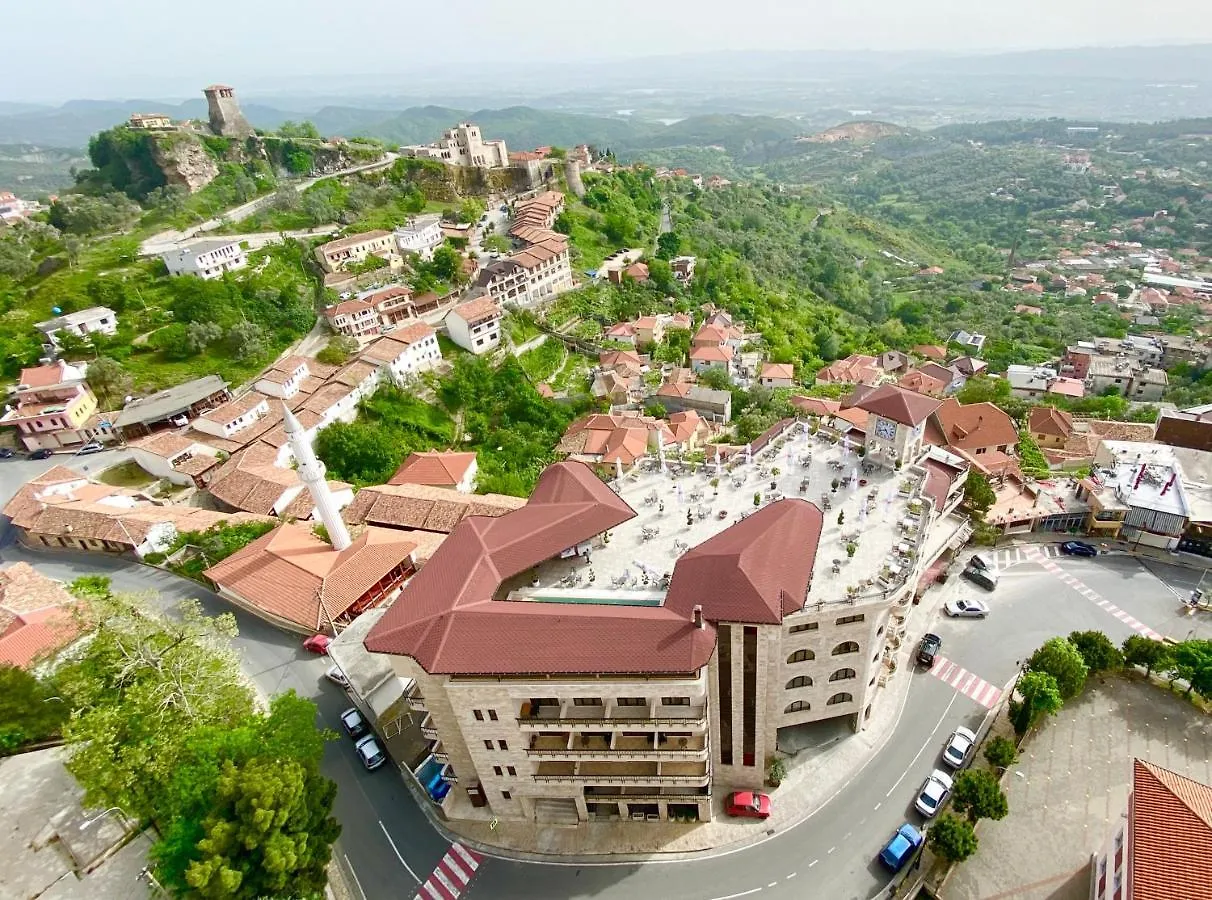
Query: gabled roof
[[475, 311], [711, 353], [778, 370], [423, 507], [1170, 835], [1050, 421], [931, 351], [974, 426], [816, 406], [756, 571], [919, 382], [35, 615], [435, 467], [899, 405]]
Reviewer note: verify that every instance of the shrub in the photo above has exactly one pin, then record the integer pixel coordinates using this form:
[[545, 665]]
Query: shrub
[[1097, 650], [154, 558], [952, 838], [1000, 752]]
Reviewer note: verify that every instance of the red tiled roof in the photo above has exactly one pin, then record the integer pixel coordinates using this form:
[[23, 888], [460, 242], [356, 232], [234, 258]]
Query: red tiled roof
[[974, 426], [1170, 836], [816, 406], [1050, 421], [931, 351], [35, 615], [899, 405], [434, 467], [42, 376], [921, 383], [778, 370], [712, 354], [479, 310], [757, 571]]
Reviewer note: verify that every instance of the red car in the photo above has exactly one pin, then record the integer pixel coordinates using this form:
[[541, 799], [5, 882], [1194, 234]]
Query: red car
[[748, 804], [317, 643]]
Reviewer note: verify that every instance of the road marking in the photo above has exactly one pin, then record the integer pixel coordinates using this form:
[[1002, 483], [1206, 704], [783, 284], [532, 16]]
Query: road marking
[[789, 877], [831, 849], [878, 805], [929, 743], [741, 894], [451, 875], [967, 683], [773, 884], [1093, 596], [813, 863], [349, 865], [398, 855]]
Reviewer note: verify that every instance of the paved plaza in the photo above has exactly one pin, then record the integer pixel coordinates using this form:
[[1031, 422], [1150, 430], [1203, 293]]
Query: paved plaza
[[1072, 782]]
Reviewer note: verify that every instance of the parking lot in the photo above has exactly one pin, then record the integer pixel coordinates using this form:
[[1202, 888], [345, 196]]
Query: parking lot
[[1072, 782]]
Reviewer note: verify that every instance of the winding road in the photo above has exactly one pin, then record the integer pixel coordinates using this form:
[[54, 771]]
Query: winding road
[[389, 845]]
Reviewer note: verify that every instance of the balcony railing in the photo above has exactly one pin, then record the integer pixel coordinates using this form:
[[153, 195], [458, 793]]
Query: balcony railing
[[427, 729], [621, 748], [439, 752], [415, 700], [596, 716]]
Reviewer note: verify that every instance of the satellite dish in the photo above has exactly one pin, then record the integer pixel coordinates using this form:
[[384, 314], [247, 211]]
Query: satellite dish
[[56, 310]]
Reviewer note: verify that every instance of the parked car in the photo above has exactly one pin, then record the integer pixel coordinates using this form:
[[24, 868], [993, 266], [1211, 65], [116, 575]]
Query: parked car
[[983, 561], [986, 578], [6, 453], [966, 607], [42, 453], [353, 723], [934, 793], [959, 746], [928, 649], [90, 447], [317, 643], [336, 676], [370, 753], [901, 847], [1078, 548], [748, 805]]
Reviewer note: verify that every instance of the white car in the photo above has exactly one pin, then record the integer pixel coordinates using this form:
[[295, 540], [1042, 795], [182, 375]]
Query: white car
[[336, 676], [955, 754], [934, 793], [967, 607], [370, 753]]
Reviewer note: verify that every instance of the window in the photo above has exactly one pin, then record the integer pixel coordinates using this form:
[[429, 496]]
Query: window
[[586, 701], [807, 626], [501, 745], [850, 620], [845, 647], [839, 698], [479, 715], [631, 701], [799, 681], [487, 745], [801, 656], [496, 770], [842, 675], [675, 701], [797, 706], [492, 715], [511, 770], [505, 795]]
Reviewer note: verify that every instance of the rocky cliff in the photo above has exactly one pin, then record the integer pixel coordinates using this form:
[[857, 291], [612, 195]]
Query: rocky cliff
[[184, 160]]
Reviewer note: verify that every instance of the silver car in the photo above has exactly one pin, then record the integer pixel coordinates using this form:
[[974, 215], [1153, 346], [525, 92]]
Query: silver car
[[934, 793], [955, 754], [370, 753], [966, 607]]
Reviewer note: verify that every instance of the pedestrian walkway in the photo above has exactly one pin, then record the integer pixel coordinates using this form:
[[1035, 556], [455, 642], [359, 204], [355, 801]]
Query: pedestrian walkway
[[1090, 594], [967, 683], [1011, 556], [452, 875]]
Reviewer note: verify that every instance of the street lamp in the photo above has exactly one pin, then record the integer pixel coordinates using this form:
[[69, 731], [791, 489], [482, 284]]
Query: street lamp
[[100, 816]]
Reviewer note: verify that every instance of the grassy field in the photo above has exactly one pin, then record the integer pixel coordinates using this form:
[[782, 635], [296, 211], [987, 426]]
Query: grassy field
[[126, 475], [543, 361]]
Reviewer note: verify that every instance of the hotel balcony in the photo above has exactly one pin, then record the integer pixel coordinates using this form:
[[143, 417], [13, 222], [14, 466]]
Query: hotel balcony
[[439, 752], [427, 728], [615, 746], [414, 698], [448, 774], [626, 773], [610, 715]]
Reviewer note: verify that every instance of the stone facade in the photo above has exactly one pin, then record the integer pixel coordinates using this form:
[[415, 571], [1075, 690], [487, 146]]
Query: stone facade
[[226, 120]]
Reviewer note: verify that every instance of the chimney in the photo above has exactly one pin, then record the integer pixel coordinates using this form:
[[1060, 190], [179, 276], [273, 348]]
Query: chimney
[[698, 616]]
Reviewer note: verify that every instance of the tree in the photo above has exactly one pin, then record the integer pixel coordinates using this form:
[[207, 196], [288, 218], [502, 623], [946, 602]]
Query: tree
[[1096, 651], [661, 276], [1063, 661], [29, 709], [978, 494], [984, 389], [338, 350], [109, 381], [470, 210], [1001, 752], [270, 835], [1142, 651], [359, 452], [1193, 664], [715, 378], [447, 264], [200, 335], [1040, 697], [246, 341], [669, 245], [977, 794], [497, 243], [952, 838]]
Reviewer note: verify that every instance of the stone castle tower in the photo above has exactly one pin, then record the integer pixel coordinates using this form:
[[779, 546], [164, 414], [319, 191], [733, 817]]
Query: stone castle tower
[[226, 120]]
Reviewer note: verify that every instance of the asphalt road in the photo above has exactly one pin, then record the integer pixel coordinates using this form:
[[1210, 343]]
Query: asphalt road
[[389, 845]]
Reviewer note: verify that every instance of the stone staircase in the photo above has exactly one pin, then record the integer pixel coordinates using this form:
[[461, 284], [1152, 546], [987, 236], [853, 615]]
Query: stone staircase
[[556, 812]]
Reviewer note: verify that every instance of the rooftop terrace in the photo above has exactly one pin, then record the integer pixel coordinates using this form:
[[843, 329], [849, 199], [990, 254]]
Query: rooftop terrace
[[679, 509]]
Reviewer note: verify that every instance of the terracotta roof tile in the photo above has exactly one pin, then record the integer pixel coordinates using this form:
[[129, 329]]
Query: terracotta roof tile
[[1170, 835], [899, 405], [974, 426]]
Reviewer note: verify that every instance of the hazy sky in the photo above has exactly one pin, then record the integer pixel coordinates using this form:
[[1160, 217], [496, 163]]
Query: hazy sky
[[59, 49]]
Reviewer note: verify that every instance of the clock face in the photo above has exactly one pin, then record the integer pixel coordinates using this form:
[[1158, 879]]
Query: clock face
[[885, 428]]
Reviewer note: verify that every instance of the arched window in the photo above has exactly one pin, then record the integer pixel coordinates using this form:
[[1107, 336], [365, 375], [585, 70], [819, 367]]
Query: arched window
[[801, 656], [799, 681], [845, 647], [842, 675], [839, 698], [797, 706]]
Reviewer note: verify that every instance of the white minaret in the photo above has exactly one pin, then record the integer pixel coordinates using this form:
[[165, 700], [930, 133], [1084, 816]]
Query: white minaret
[[311, 473]]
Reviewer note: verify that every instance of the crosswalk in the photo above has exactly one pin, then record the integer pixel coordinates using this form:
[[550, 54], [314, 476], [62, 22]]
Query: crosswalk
[[1090, 594], [452, 875], [1010, 556], [967, 683]]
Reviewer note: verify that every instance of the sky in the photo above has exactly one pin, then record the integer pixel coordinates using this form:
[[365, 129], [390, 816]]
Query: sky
[[65, 49]]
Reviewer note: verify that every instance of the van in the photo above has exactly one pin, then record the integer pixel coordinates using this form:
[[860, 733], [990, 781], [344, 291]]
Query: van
[[986, 578]]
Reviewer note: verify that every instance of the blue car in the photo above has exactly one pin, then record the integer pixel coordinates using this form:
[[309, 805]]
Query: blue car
[[1078, 548], [902, 846]]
